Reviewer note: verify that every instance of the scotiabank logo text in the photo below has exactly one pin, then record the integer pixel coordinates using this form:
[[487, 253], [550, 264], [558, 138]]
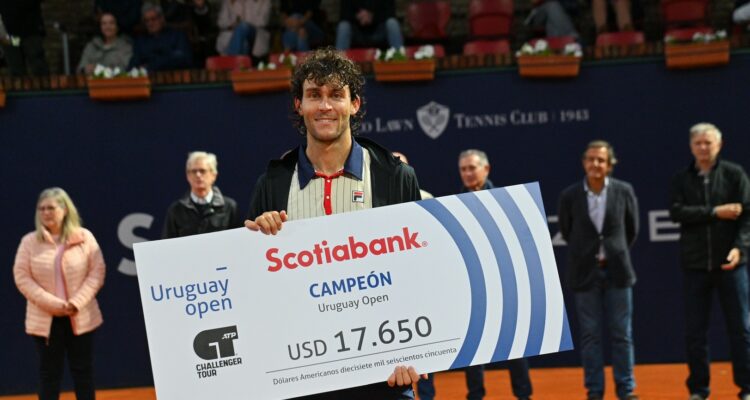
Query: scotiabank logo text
[[322, 253]]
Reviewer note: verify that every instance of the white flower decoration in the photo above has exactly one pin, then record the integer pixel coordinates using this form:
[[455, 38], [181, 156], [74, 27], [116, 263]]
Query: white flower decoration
[[540, 46], [426, 51], [99, 70], [573, 49]]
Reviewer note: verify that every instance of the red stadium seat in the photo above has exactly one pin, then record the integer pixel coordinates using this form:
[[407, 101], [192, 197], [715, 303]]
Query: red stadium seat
[[625, 38], [677, 13], [479, 47], [428, 20], [556, 43], [362, 55], [490, 18], [228, 63], [439, 51]]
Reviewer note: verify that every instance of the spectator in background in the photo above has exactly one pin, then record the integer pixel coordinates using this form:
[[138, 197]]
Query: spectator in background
[[205, 31], [126, 12], [162, 48], [741, 14], [474, 168], [598, 219], [176, 12], [243, 27], [710, 200], [368, 23], [203, 209], [24, 50], [300, 27], [109, 49], [554, 17], [622, 14], [59, 269]]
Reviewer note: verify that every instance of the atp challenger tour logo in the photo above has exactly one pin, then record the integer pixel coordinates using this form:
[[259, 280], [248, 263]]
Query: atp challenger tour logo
[[215, 344], [433, 119], [322, 253]]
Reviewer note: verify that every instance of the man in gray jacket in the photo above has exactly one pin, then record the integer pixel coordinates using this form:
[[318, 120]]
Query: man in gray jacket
[[598, 218]]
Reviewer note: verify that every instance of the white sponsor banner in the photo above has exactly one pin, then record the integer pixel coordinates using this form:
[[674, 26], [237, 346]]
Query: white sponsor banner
[[339, 301]]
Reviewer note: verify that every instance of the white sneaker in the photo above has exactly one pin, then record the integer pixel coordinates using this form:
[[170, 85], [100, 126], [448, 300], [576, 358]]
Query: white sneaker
[[696, 396]]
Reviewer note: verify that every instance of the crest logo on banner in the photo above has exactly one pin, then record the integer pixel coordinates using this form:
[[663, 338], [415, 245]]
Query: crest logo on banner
[[433, 119]]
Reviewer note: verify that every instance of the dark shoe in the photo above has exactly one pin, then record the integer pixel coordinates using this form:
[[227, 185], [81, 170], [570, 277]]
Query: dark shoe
[[594, 397], [631, 396]]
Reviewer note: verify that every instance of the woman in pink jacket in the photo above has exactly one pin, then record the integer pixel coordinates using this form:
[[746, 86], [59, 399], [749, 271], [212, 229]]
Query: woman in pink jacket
[[59, 268]]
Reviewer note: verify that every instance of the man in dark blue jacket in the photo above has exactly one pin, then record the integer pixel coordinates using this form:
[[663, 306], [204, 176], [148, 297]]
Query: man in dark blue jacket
[[598, 218], [709, 199], [162, 48]]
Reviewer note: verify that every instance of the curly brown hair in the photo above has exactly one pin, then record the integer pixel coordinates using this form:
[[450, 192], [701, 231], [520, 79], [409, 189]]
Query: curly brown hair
[[327, 66]]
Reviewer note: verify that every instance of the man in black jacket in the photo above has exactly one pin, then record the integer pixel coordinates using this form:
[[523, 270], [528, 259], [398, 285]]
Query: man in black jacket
[[598, 218], [204, 208], [709, 199], [327, 110]]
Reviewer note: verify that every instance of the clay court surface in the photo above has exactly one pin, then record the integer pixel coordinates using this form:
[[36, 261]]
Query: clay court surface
[[655, 382]]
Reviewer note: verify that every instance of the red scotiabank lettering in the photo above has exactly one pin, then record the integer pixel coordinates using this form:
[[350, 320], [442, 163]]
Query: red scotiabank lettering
[[322, 253]]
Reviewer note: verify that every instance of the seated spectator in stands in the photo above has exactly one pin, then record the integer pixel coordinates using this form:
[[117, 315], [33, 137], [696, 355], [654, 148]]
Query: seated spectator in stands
[[300, 28], [175, 12], [368, 23], [109, 49], [243, 27], [554, 17], [126, 12], [24, 50], [205, 31], [162, 48], [741, 14], [622, 14]]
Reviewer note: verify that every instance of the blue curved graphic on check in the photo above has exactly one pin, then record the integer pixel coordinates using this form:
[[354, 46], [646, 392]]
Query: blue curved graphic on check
[[534, 265], [536, 194], [508, 281], [476, 280]]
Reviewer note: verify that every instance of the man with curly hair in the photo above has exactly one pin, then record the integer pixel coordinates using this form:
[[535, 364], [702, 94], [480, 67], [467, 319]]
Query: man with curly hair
[[333, 172]]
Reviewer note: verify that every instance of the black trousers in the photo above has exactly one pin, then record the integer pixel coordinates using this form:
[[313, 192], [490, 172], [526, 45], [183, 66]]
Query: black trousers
[[52, 358]]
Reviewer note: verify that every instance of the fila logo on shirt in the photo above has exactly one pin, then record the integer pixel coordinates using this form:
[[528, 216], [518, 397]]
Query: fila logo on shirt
[[358, 196]]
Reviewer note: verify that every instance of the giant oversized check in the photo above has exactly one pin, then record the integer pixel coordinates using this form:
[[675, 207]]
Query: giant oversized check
[[339, 301]]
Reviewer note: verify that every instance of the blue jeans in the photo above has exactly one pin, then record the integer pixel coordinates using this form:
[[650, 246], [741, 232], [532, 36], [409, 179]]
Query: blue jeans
[[733, 297], [519, 381], [242, 39], [346, 33], [616, 305], [295, 41]]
